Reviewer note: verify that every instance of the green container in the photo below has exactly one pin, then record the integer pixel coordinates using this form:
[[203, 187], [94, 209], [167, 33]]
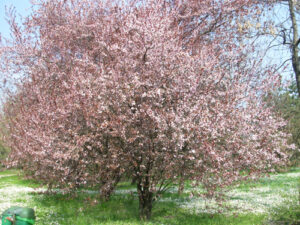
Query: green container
[[20, 216]]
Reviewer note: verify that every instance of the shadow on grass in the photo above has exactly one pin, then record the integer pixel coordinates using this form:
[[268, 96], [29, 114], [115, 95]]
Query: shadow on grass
[[122, 209]]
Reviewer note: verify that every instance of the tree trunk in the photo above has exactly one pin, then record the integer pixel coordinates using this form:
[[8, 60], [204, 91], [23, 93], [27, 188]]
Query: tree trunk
[[181, 185], [296, 41], [145, 200], [108, 187], [133, 180]]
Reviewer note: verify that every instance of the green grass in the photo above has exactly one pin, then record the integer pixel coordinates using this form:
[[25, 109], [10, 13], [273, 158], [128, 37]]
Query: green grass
[[86, 209], [123, 210], [16, 180]]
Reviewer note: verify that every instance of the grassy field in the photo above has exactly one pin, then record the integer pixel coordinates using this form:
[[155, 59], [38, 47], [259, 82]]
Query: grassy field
[[262, 202]]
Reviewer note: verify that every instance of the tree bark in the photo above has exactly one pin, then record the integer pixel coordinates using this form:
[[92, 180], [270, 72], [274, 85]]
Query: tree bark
[[109, 187], [133, 180], [145, 199], [295, 52], [181, 185]]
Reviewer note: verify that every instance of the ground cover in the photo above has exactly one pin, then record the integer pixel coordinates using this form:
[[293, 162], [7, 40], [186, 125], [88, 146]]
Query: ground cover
[[248, 203]]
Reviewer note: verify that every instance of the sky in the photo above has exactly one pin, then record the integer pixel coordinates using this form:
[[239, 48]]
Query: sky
[[22, 7]]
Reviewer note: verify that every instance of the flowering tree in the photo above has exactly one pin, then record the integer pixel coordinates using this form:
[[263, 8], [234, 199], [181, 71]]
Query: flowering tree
[[155, 90]]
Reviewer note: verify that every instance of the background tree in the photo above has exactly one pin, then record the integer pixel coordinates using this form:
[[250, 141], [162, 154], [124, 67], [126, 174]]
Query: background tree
[[277, 24], [287, 103], [4, 149], [144, 88], [3, 153], [294, 45]]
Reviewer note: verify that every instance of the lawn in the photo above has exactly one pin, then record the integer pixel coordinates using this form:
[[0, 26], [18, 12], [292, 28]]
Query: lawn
[[248, 203]]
